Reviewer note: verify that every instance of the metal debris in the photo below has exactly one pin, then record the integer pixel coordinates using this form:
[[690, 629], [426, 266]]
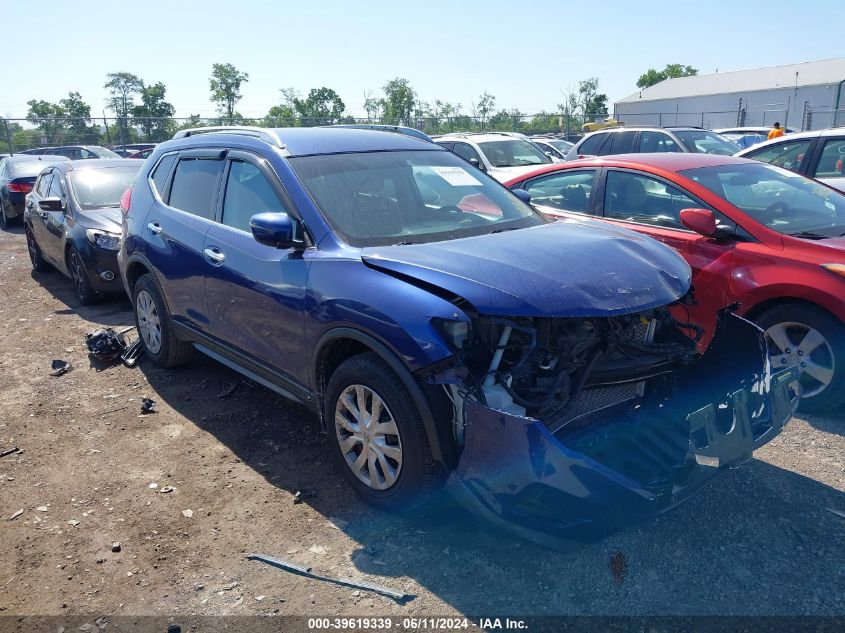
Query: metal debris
[[9, 451], [301, 495], [16, 515], [400, 596], [147, 406], [60, 367], [166, 490]]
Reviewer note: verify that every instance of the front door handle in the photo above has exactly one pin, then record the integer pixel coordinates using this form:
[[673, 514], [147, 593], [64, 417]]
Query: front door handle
[[155, 227], [214, 255]]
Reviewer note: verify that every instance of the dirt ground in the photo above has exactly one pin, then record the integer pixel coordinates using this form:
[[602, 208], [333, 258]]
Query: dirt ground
[[760, 540]]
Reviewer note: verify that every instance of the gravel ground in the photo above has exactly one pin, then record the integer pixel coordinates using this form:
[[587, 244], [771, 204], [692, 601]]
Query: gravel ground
[[759, 540]]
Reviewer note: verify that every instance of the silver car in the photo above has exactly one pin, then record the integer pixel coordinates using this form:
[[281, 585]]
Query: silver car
[[819, 155]]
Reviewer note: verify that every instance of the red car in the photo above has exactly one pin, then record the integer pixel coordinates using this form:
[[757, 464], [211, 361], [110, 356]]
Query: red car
[[757, 235]]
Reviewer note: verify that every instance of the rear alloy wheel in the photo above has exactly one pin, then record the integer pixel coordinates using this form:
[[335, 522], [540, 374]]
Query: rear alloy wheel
[[813, 342], [84, 292], [4, 221], [39, 265]]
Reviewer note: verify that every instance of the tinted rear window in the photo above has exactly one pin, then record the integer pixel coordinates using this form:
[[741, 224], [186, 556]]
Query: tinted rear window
[[195, 185]]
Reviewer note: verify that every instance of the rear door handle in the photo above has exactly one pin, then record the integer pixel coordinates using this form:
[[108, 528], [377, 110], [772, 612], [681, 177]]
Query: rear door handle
[[155, 227], [214, 255]]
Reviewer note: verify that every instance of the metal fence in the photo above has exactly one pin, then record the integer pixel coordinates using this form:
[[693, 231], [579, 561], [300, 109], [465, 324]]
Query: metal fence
[[17, 134]]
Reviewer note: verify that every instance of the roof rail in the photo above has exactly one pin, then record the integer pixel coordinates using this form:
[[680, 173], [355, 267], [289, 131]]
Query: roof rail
[[265, 134]]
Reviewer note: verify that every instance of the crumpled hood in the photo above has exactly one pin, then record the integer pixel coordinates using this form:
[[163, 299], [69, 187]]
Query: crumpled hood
[[566, 269], [107, 219]]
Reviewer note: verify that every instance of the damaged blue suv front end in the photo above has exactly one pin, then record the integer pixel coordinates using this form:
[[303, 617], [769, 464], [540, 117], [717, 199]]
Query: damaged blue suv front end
[[580, 404]]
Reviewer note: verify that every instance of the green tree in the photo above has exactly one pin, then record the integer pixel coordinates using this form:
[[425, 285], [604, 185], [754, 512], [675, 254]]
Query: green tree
[[483, 107], [671, 71], [591, 102], [49, 118], [122, 87], [225, 84], [280, 116], [153, 112], [79, 117], [373, 106], [399, 98], [321, 107]]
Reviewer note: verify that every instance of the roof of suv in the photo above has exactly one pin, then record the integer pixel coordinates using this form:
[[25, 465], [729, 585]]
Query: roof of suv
[[306, 141]]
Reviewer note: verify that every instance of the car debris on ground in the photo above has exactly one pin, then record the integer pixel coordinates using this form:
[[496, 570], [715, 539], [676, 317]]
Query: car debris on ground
[[107, 345], [147, 406], [10, 451], [60, 367], [399, 596]]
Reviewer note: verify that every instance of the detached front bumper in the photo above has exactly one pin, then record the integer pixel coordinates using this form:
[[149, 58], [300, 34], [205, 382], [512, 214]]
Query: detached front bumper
[[581, 484]]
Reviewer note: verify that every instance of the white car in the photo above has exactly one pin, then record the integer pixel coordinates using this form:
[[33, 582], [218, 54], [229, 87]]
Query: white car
[[502, 155], [819, 155], [555, 147]]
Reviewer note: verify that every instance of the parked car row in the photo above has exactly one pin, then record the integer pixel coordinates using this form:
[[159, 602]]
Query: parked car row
[[73, 152], [564, 378]]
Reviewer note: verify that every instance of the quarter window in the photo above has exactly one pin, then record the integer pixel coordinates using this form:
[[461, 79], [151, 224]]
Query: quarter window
[[56, 187], [162, 171], [566, 190], [195, 185], [247, 192], [638, 198], [832, 161], [44, 184], [788, 154]]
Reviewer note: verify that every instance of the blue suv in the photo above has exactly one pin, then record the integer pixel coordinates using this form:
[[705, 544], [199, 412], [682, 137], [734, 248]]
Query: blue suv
[[438, 326]]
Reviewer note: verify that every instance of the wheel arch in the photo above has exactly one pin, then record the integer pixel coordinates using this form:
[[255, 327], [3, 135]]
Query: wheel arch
[[761, 308], [340, 344]]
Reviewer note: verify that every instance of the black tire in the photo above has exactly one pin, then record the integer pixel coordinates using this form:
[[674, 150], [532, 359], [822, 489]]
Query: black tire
[[419, 476], [79, 275], [791, 318], [5, 221], [171, 351], [39, 264]]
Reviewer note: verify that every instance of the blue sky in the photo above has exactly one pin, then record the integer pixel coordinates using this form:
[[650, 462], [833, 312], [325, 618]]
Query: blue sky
[[525, 53]]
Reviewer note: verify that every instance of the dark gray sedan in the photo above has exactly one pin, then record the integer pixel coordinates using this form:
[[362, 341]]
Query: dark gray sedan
[[72, 222]]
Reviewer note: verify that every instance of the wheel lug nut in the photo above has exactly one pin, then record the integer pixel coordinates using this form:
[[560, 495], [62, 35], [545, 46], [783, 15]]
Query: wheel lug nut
[[803, 364], [800, 353], [788, 351], [783, 361]]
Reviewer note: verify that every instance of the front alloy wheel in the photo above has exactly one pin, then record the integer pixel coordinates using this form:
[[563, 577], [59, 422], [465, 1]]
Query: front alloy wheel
[[79, 275], [368, 437], [798, 344], [149, 323], [813, 341]]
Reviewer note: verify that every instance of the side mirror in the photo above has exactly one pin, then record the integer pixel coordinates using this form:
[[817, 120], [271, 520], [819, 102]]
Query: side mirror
[[51, 204], [701, 221], [522, 195], [274, 229], [477, 164]]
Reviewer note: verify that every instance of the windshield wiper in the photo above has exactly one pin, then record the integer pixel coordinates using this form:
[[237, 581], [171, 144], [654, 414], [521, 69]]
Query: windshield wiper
[[503, 229], [809, 235]]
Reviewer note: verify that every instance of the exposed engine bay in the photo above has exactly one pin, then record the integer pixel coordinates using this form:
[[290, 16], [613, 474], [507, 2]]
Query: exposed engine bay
[[560, 369]]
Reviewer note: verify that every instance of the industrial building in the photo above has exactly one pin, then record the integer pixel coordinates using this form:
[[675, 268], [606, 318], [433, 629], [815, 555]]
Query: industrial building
[[808, 96]]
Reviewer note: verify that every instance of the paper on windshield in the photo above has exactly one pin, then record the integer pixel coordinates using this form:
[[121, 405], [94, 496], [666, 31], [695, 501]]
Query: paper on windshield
[[456, 176]]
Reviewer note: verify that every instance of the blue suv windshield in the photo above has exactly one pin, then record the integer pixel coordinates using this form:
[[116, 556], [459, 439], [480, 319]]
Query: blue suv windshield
[[408, 197]]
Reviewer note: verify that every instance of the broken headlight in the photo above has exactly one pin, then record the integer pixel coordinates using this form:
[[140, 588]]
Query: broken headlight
[[103, 239]]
